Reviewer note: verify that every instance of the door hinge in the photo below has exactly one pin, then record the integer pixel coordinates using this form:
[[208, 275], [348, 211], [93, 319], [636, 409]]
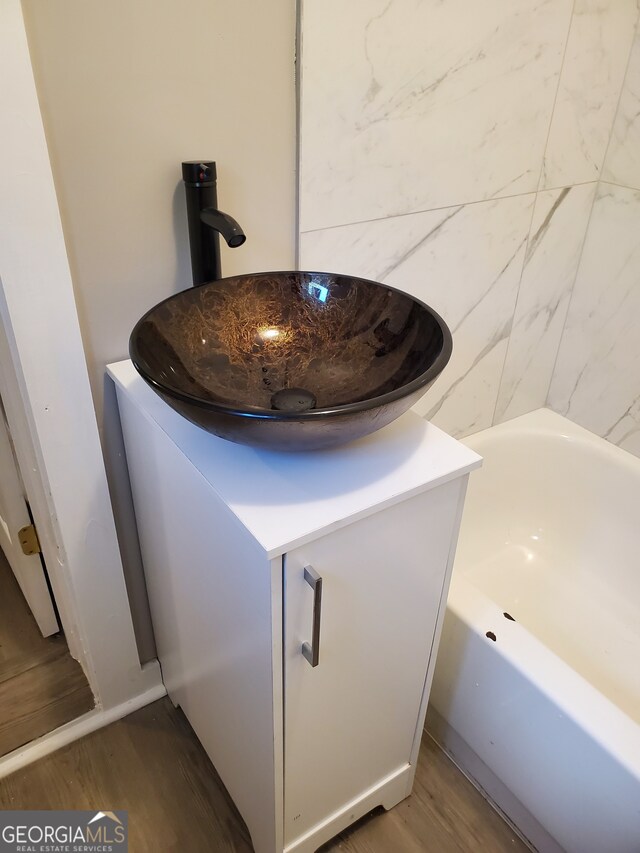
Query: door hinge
[[29, 541]]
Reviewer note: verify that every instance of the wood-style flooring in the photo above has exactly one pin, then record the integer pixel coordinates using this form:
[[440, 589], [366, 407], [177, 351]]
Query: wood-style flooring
[[41, 685], [152, 765]]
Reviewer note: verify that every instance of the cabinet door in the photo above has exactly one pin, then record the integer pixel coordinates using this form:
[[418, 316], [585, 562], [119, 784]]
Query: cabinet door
[[351, 720]]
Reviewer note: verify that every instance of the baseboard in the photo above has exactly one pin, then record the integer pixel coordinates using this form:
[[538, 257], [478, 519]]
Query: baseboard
[[508, 806], [81, 726]]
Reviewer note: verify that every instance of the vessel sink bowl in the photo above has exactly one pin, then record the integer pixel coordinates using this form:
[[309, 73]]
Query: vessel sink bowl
[[290, 360]]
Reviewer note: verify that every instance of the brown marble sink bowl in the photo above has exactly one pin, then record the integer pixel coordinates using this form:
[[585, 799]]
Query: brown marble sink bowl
[[290, 360]]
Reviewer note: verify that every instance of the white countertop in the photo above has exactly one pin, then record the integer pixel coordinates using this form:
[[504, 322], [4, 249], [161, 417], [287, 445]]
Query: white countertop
[[287, 499]]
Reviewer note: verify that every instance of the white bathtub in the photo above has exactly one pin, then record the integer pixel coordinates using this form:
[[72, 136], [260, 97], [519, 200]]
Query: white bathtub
[[546, 717]]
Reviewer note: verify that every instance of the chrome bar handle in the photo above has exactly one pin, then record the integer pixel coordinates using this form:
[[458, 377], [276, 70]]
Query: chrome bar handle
[[312, 652]]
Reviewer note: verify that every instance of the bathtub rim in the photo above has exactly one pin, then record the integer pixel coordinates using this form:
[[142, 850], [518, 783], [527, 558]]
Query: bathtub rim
[[547, 422]]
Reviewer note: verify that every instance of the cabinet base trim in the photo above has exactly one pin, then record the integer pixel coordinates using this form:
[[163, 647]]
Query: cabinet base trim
[[388, 792]]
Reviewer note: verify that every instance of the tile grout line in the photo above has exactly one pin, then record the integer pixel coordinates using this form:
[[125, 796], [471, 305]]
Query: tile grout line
[[555, 98], [538, 191], [436, 209], [515, 306], [571, 292], [619, 101], [620, 186]]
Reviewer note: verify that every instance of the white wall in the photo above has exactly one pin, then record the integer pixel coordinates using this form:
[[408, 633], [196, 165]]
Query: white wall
[[453, 150], [45, 390], [129, 89]]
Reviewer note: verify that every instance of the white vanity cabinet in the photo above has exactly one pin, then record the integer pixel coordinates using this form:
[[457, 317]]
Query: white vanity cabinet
[[261, 564]]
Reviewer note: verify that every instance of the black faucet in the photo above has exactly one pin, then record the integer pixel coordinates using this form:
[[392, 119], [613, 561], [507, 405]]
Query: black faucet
[[206, 221]]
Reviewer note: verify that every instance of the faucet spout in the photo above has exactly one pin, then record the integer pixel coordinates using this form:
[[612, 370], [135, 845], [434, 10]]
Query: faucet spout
[[206, 222], [225, 224]]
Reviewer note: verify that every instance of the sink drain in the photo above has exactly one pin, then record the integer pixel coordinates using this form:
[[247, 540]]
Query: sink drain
[[293, 400]]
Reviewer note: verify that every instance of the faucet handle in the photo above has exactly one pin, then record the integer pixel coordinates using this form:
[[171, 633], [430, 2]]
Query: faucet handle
[[199, 173]]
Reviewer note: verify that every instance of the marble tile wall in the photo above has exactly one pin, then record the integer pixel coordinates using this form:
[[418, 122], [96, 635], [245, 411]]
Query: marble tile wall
[[466, 262], [555, 242], [595, 60], [415, 104], [596, 381], [622, 165], [453, 150]]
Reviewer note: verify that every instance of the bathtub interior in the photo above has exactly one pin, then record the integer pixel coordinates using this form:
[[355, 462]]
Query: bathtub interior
[[551, 534]]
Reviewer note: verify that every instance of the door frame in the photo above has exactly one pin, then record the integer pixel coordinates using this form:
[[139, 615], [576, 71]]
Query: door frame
[[45, 387], [27, 568]]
